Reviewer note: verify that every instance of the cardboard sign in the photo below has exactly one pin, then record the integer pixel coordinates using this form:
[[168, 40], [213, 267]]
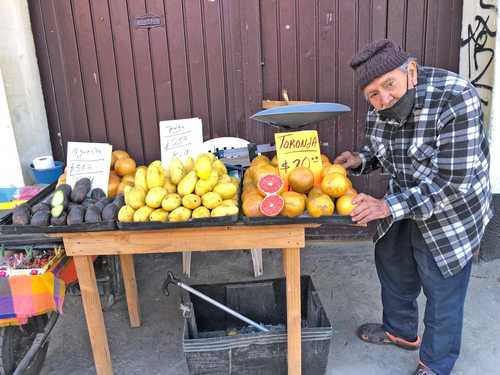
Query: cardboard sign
[[91, 160], [180, 138], [299, 149]]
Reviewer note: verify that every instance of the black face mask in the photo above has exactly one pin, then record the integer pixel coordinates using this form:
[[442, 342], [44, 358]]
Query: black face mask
[[400, 110]]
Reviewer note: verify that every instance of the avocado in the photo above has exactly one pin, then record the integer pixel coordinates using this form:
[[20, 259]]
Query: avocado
[[21, 215], [93, 214], [110, 212], [60, 220], [97, 194], [119, 200], [76, 215], [42, 206], [40, 218], [80, 192], [88, 202]]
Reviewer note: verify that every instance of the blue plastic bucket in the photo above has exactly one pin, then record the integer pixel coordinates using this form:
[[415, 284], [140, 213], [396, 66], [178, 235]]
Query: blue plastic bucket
[[49, 175]]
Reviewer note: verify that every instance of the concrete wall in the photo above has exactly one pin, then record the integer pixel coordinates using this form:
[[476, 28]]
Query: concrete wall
[[21, 82]]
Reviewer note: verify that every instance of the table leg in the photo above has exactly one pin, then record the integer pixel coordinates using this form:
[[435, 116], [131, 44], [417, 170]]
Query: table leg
[[93, 314], [291, 265], [128, 273]]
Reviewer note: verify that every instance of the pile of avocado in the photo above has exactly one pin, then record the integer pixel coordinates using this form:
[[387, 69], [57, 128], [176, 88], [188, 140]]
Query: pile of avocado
[[67, 206]]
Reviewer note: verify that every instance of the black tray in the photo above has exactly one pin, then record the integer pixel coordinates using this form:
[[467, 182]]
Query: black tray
[[191, 223], [277, 220], [6, 226]]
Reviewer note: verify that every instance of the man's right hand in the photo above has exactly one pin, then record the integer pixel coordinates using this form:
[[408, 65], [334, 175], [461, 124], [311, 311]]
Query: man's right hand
[[348, 160]]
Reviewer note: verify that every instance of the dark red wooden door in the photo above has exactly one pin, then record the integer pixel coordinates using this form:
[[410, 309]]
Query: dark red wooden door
[[111, 70]]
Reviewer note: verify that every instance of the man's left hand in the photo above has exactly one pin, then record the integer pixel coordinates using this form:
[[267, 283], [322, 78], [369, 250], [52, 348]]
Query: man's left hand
[[369, 209]]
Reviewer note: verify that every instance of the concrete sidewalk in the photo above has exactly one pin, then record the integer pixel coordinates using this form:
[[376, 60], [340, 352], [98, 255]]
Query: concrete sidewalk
[[344, 274]]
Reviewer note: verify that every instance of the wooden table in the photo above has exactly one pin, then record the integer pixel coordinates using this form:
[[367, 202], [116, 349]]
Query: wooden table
[[82, 246]]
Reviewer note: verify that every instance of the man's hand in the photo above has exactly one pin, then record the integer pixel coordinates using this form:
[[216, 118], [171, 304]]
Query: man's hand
[[348, 160], [369, 209]]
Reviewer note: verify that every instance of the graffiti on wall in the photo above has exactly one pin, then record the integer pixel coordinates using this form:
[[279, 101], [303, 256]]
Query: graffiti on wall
[[478, 47]]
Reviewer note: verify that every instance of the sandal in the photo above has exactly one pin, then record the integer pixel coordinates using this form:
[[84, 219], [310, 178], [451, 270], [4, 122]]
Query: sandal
[[375, 334]]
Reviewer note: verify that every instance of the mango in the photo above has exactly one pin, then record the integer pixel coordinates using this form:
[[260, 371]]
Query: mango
[[229, 202], [159, 215], [224, 178], [171, 202], [180, 214], [191, 201], [219, 166], [203, 166], [225, 190], [187, 184], [200, 213], [169, 186], [155, 196], [211, 200], [142, 214], [213, 179], [189, 164], [155, 175], [177, 171], [140, 177], [126, 214], [224, 211], [136, 197], [202, 187]]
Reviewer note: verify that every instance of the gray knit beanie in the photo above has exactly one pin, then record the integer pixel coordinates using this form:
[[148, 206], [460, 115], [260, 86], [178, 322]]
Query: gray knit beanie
[[376, 59]]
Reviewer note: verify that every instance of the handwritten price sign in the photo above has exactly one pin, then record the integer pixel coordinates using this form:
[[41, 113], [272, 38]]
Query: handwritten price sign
[[299, 149], [180, 138]]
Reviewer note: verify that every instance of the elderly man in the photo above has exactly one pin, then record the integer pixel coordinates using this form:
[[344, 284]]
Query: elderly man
[[424, 127]]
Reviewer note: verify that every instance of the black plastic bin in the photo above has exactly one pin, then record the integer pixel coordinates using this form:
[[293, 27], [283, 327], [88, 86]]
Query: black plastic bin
[[210, 350]]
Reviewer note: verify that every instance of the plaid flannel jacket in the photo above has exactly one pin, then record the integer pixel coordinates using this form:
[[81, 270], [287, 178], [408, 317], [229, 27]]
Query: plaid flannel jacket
[[438, 160]]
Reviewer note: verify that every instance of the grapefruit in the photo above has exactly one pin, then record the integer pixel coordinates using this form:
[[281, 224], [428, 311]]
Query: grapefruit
[[351, 191], [295, 204], [321, 205], [251, 205], [344, 205], [272, 205], [333, 168], [270, 184], [125, 166], [118, 154], [335, 185], [260, 160], [301, 179]]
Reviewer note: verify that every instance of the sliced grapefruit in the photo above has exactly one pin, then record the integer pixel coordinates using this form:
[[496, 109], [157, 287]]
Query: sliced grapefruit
[[272, 205]]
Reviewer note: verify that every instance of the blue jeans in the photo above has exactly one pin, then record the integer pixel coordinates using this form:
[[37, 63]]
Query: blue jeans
[[405, 266]]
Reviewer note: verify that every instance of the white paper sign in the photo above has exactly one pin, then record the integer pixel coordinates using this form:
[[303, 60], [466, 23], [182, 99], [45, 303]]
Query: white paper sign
[[91, 160], [180, 138]]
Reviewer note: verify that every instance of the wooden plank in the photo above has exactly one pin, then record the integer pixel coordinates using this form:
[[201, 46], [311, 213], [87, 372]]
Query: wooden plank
[[291, 263], [455, 25], [195, 47], [145, 85], [126, 79], [108, 76], [270, 57], [307, 48], [186, 239], [415, 29], [130, 283], [91, 79], [379, 18], [93, 313], [174, 20], [396, 21], [47, 79], [252, 70], [160, 62], [216, 70], [327, 68], [78, 129]]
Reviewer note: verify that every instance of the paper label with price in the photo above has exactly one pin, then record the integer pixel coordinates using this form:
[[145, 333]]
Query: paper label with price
[[180, 138], [91, 160], [299, 149]]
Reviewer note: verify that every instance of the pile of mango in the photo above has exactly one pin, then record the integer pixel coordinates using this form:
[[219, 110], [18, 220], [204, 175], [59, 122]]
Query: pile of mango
[[198, 188]]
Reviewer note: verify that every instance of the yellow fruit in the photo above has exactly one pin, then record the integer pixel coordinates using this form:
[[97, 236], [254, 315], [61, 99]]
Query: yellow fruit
[[224, 211], [200, 213], [189, 164], [211, 200], [180, 214], [140, 177], [229, 202], [113, 183], [235, 181], [155, 196], [203, 166], [274, 161], [224, 178], [142, 214], [344, 205], [176, 171], [213, 178], [126, 214], [202, 187], [158, 215], [321, 205], [260, 160], [129, 179], [116, 155], [169, 186], [335, 185], [251, 205], [301, 179], [219, 166], [155, 175], [122, 185], [171, 202], [351, 191], [295, 204], [191, 201], [136, 197], [225, 190], [187, 184], [333, 168], [315, 191]]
